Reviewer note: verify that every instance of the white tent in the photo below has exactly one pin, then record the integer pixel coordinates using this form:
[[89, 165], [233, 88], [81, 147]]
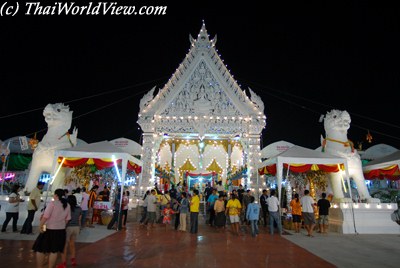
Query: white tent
[[386, 165], [103, 149], [97, 150], [301, 155]]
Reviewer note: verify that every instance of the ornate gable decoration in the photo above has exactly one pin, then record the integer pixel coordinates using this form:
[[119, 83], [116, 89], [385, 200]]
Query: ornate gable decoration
[[202, 95], [202, 88]]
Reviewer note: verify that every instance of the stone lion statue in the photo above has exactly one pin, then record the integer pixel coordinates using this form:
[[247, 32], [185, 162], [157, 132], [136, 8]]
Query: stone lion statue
[[58, 118], [336, 125]]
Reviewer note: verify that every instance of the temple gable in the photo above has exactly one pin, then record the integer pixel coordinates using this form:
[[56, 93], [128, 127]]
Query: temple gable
[[202, 94]]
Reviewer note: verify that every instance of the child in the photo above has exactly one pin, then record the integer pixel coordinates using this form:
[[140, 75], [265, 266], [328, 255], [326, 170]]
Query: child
[[252, 215], [167, 213]]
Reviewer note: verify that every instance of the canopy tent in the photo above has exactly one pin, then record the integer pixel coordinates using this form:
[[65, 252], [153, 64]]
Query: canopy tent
[[300, 159], [102, 154], [384, 167]]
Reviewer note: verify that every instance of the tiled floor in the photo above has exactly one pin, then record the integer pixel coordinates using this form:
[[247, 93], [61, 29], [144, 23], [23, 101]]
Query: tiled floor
[[139, 247]]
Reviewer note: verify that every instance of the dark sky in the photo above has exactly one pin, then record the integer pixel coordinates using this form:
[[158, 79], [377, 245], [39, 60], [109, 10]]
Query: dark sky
[[302, 58]]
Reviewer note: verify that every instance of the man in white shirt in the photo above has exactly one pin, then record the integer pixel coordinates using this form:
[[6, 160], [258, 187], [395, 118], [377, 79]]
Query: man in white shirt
[[84, 206], [307, 206], [151, 208], [33, 206], [274, 215]]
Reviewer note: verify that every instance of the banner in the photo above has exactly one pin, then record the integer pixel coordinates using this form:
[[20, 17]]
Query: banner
[[24, 143]]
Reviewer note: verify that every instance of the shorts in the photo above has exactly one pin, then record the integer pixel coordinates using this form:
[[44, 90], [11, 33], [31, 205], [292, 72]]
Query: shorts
[[296, 218], [151, 216], [167, 220], [234, 218], [308, 217], [72, 232], [323, 219]]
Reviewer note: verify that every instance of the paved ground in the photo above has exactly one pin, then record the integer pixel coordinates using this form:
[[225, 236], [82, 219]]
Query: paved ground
[[157, 247]]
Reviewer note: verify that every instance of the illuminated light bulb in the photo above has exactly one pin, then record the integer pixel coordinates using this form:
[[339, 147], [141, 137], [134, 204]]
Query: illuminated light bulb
[[367, 205]]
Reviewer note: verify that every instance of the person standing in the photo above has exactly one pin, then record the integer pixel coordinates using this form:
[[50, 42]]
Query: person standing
[[274, 215], [125, 207], [12, 211], [105, 196], [323, 205], [183, 211], [308, 205], [194, 212], [296, 212], [167, 215], [252, 216], [151, 207], [72, 231], [84, 206], [210, 204], [246, 197], [220, 188], [92, 198], [240, 193], [264, 206], [219, 208], [144, 208], [33, 206], [176, 207], [117, 214], [78, 195], [51, 239], [233, 208]]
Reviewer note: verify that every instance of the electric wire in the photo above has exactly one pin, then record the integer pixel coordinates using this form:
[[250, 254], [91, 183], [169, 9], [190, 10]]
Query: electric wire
[[325, 105]]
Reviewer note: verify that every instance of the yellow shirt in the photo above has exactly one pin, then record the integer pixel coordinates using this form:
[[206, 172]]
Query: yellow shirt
[[35, 195], [234, 206], [194, 204]]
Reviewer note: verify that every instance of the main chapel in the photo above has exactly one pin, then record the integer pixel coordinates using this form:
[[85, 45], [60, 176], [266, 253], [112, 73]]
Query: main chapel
[[201, 126]]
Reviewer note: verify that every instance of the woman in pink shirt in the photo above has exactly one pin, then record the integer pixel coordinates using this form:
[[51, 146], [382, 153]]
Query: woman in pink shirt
[[52, 229]]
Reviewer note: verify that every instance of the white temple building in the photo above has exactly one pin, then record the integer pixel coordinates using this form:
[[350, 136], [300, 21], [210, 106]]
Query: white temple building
[[201, 126]]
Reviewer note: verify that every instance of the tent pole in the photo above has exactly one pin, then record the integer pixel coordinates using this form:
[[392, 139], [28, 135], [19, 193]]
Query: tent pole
[[124, 167], [53, 175], [351, 197], [258, 185]]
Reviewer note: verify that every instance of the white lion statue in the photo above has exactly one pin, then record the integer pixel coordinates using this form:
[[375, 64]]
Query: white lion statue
[[58, 118], [336, 124]]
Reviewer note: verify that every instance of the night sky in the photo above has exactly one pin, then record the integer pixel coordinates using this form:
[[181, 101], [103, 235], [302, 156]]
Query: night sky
[[302, 58]]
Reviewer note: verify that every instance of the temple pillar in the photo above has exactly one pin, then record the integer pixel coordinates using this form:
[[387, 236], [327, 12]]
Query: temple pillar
[[254, 159], [148, 159], [173, 148]]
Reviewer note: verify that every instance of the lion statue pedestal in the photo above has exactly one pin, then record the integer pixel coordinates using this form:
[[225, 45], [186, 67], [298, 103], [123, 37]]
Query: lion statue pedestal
[[345, 216]]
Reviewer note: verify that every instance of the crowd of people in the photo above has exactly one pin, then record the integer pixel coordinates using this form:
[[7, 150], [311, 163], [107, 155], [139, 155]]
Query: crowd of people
[[239, 209], [63, 218]]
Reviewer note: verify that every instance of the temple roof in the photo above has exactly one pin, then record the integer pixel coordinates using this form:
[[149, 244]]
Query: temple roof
[[201, 86]]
